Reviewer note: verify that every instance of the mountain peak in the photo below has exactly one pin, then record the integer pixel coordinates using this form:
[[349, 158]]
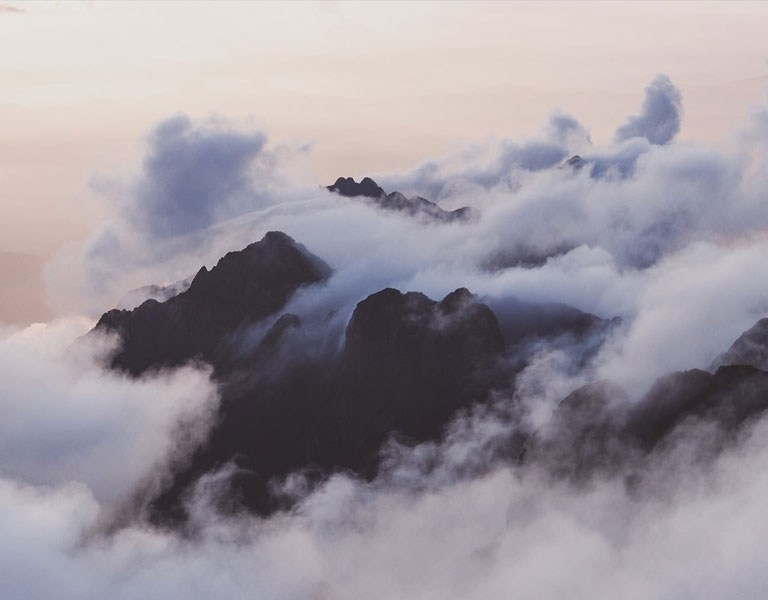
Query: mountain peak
[[347, 186], [278, 237], [456, 300], [396, 201], [244, 287]]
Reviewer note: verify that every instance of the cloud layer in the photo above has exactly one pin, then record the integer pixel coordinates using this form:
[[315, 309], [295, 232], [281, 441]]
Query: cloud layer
[[668, 236]]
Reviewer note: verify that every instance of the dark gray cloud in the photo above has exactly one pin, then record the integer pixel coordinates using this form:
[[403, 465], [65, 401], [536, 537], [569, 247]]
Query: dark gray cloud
[[193, 177], [492, 164], [562, 138], [659, 120], [196, 176]]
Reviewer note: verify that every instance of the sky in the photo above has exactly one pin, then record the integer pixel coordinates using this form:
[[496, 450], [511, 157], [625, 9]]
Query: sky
[[366, 87]]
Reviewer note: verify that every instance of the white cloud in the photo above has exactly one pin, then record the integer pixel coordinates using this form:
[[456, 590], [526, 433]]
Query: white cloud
[[65, 419], [669, 236]]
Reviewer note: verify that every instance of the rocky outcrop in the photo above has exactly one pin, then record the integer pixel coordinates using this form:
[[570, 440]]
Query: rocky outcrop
[[596, 429], [407, 366], [347, 186], [243, 288], [415, 206], [409, 363]]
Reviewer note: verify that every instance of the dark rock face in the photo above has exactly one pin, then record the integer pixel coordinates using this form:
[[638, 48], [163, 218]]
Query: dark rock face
[[530, 327], [729, 398], [582, 436], [418, 206], [408, 364], [415, 206], [596, 430], [521, 320], [243, 288], [347, 186]]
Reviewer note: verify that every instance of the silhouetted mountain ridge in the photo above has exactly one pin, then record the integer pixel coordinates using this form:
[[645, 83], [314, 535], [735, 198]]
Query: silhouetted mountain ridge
[[596, 430], [407, 366], [415, 206], [243, 288]]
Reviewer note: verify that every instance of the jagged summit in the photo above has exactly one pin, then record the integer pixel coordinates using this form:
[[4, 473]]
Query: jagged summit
[[407, 366], [415, 206], [413, 330], [456, 300], [244, 287], [347, 186], [275, 260]]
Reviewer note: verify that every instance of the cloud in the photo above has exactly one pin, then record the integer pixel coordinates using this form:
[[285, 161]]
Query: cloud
[[659, 120], [203, 183], [667, 235], [610, 243], [699, 530], [65, 419], [503, 163], [690, 308], [487, 165], [193, 177]]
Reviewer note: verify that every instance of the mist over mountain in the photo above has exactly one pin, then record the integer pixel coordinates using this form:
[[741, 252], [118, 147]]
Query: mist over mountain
[[533, 368], [415, 206], [407, 366], [243, 288]]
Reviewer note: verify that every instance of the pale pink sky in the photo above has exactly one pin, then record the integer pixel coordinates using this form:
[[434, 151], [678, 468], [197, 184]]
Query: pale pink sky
[[374, 86]]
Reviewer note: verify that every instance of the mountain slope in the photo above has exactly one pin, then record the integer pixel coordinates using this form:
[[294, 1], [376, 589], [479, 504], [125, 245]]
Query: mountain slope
[[243, 288], [406, 367], [408, 364]]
